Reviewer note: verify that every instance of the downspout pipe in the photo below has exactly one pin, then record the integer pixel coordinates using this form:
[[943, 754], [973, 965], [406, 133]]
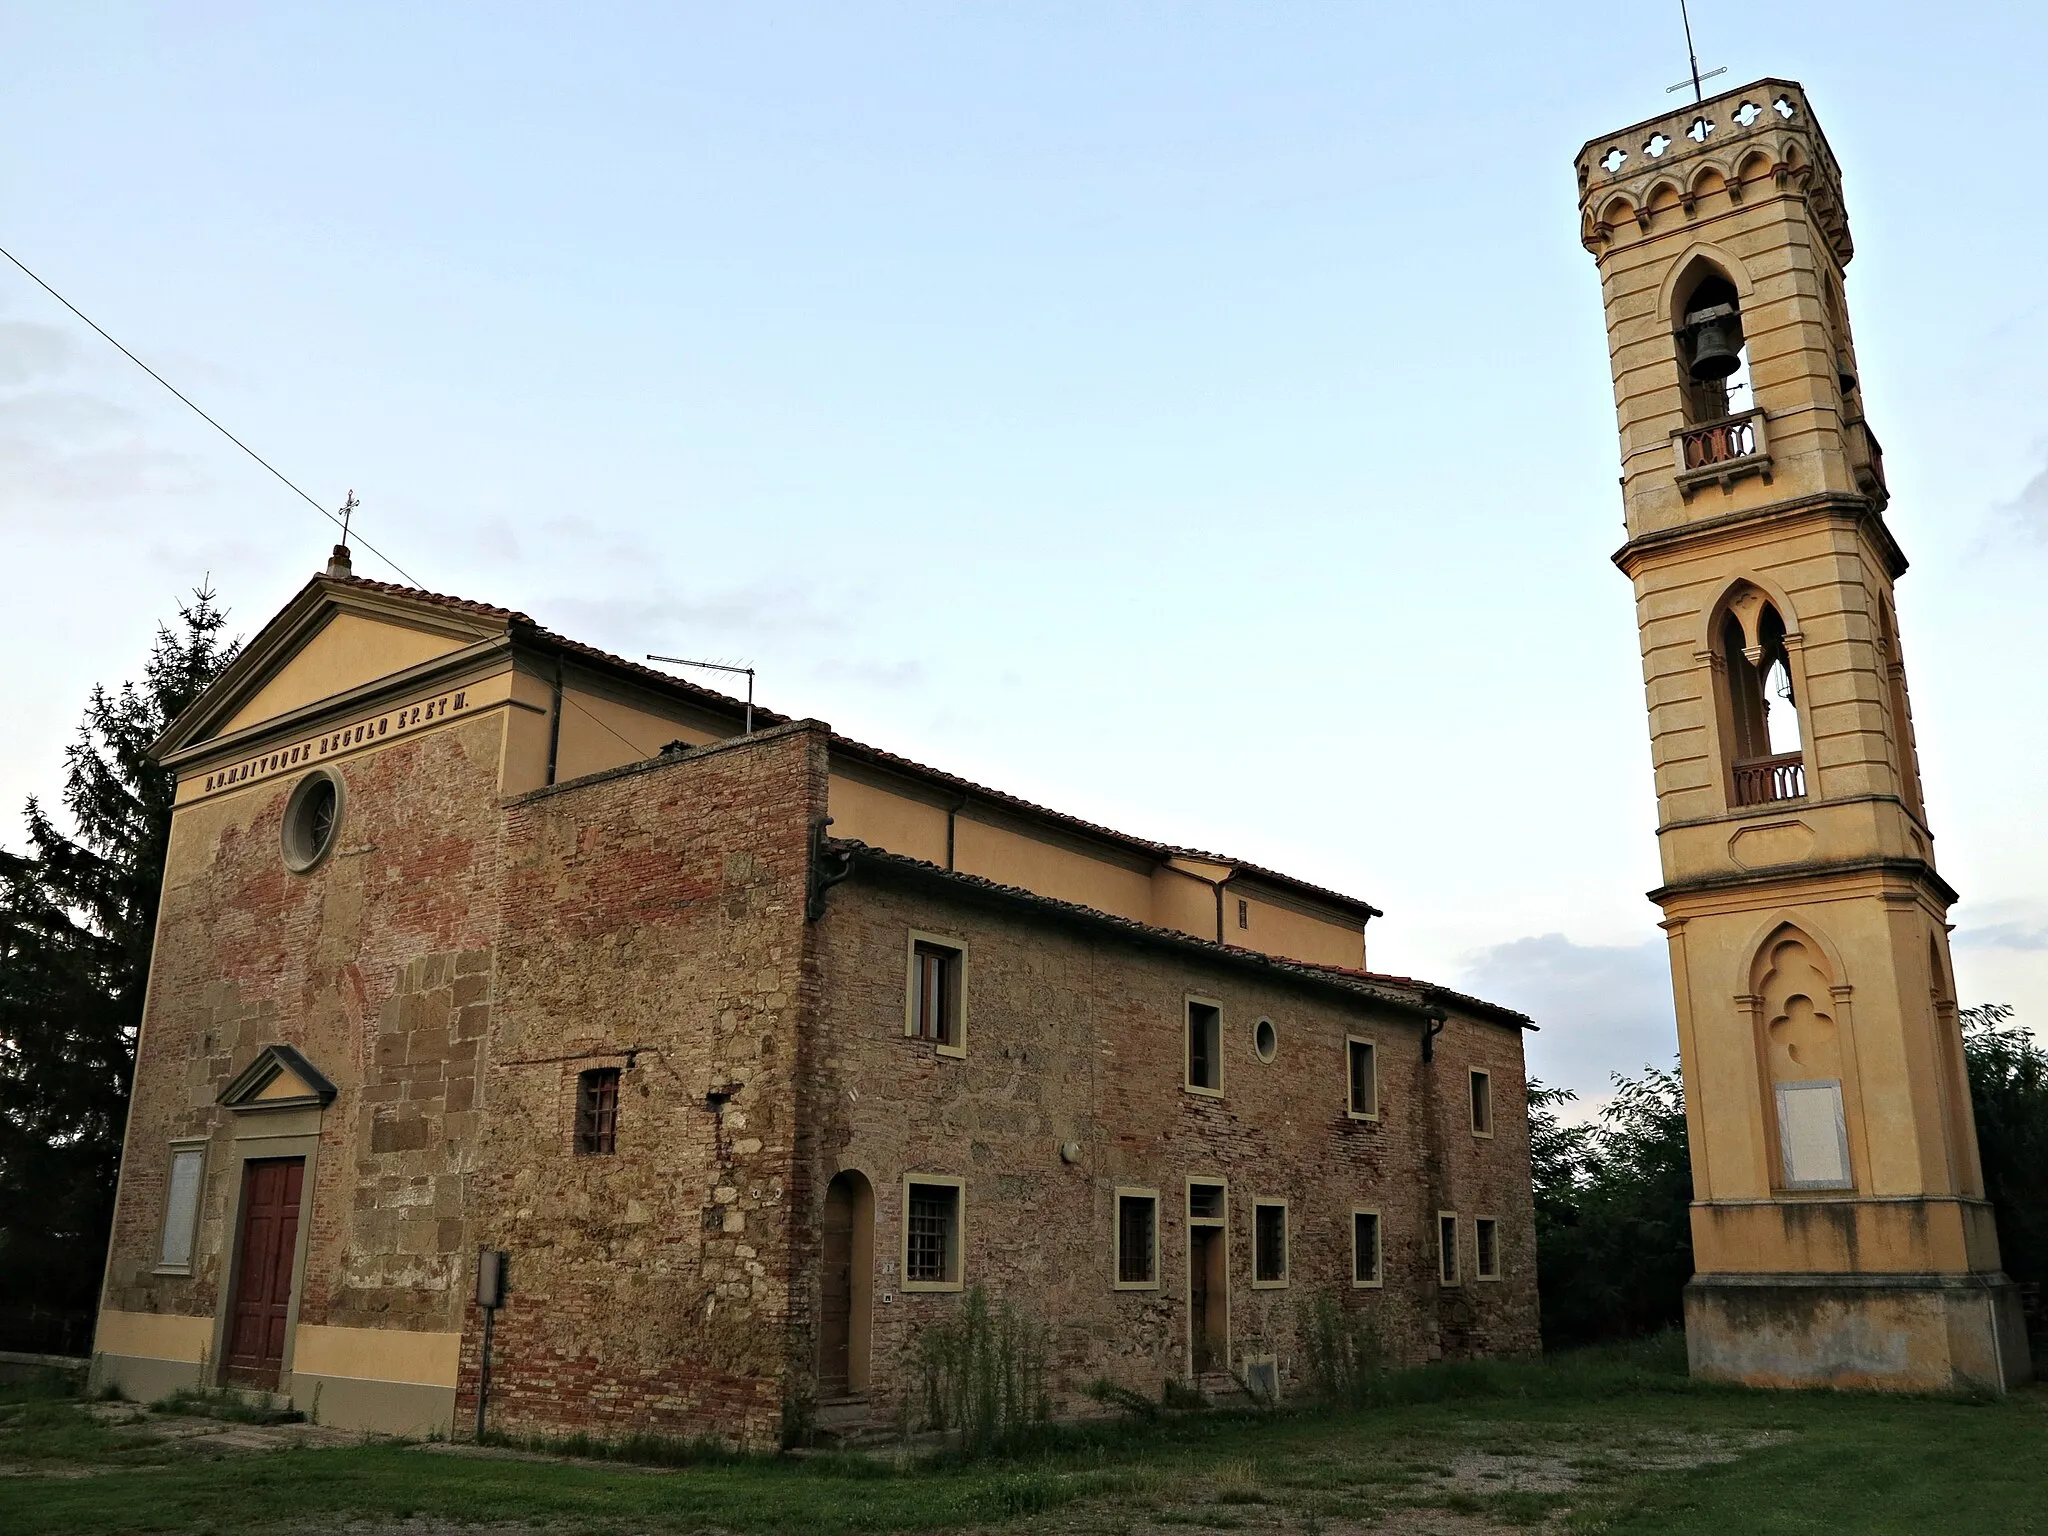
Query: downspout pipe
[[555, 719]]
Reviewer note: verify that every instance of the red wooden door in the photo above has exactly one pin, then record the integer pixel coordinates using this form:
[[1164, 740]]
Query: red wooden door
[[263, 1285]]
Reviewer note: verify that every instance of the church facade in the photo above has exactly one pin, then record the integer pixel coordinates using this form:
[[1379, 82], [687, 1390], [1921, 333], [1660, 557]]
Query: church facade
[[742, 1056]]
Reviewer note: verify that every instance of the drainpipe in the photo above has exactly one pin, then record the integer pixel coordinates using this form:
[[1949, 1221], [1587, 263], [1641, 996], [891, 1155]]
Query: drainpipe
[[555, 720], [951, 812]]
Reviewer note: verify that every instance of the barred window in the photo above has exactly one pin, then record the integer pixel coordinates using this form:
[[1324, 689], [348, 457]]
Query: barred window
[[1137, 1239], [931, 1242], [597, 1112]]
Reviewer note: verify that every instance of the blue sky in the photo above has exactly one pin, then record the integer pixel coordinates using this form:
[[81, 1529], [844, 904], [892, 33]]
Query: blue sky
[[1192, 416]]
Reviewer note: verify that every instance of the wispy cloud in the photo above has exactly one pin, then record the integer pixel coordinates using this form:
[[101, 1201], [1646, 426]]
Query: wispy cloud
[[2029, 509], [29, 351], [2015, 935], [889, 676], [1601, 1008]]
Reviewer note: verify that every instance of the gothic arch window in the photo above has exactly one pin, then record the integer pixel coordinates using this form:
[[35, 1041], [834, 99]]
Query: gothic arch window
[[1800, 1042], [1712, 355], [1759, 705]]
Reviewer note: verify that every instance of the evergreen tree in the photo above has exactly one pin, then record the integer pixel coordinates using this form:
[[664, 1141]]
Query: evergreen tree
[[77, 920]]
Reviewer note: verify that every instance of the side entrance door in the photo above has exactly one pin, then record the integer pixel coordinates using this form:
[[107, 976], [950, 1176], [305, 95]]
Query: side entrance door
[[263, 1282]]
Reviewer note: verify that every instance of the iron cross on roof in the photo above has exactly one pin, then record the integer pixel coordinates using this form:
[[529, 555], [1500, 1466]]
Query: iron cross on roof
[[1693, 56]]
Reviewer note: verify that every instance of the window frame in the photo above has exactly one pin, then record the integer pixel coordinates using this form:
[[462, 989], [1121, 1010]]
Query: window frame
[[1379, 1249], [956, 1250], [958, 948], [1490, 1224], [181, 1146], [1189, 1003], [1222, 1217], [587, 1078], [1286, 1245], [1474, 1093], [1450, 1273], [1372, 1046], [1133, 1192]]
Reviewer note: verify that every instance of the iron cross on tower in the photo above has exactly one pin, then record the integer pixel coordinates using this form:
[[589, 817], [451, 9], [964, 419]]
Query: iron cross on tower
[[348, 511], [1693, 55]]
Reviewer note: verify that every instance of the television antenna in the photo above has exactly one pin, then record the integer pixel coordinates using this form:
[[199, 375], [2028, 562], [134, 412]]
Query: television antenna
[[719, 666], [1692, 54]]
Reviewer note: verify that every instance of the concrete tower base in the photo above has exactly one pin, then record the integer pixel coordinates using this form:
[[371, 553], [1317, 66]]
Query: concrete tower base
[[1902, 1333]]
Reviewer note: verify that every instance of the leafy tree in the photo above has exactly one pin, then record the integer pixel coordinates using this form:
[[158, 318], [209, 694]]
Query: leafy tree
[[2009, 1094], [77, 919], [1613, 1210]]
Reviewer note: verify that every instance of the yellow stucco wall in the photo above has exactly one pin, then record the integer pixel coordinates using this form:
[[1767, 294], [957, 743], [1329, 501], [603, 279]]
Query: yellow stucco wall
[[153, 1336], [348, 651], [377, 1354]]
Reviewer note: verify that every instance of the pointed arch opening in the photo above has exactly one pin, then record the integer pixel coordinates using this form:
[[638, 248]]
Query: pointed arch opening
[[1711, 349], [1965, 1165], [1761, 731], [1800, 1043]]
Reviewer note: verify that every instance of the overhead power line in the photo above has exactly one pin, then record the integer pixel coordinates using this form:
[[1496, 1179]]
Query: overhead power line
[[223, 431]]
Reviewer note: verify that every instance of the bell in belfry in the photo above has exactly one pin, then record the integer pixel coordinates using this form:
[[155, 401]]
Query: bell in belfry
[[1716, 341]]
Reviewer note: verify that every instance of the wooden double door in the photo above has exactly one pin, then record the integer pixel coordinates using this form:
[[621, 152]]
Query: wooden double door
[[266, 1251]]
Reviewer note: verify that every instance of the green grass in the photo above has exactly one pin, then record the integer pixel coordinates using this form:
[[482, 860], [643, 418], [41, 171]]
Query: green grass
[[1802, 1462]]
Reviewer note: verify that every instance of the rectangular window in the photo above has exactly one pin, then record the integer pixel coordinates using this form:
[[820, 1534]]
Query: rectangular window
[[1137, 1239], [1363, 1102], [1205, 1047], [1205, 1202], [1269, 1242], [937, 1009], [181, 1206], [1486, 1248], [1365, 1247], [1482, 1103], [1447, 1246], [931, 1233], [1244, 914], [597, 1112]]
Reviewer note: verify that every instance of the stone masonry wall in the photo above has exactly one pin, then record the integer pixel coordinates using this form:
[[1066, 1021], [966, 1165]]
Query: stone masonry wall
[[1077, 1036], [654, 922], [375, 966]]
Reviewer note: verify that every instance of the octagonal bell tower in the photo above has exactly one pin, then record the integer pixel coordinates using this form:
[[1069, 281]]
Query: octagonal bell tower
[[1840, 1230]]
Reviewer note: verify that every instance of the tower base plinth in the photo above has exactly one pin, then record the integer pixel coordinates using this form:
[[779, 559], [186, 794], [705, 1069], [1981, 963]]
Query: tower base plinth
[[1901, 1333]]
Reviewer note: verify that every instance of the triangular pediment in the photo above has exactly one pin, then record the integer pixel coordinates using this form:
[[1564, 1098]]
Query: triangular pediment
[[335, 641], [279, 1078]]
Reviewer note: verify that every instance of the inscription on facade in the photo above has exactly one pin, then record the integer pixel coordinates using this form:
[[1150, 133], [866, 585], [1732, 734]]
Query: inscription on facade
[[393, 722]]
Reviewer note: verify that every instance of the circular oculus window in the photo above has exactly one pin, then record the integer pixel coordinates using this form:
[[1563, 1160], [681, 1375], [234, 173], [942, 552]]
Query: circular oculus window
[[1265, 1039], [311, 818]]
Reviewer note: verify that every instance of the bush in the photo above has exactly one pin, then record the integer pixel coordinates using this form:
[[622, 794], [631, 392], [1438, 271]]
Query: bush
[[1345, 1361], [981, 1373]]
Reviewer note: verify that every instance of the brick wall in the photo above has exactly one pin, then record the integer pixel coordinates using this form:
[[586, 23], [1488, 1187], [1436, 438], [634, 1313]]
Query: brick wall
[[1077, 1036], [653, 922]]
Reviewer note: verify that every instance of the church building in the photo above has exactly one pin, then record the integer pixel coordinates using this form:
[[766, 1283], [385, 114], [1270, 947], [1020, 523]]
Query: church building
[[529, 1024]]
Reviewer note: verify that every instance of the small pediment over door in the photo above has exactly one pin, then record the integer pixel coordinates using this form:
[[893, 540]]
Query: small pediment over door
[[279, 1078]]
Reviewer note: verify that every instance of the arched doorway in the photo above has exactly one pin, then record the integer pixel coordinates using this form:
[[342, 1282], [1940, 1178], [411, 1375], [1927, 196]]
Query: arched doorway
[[846, 1286]]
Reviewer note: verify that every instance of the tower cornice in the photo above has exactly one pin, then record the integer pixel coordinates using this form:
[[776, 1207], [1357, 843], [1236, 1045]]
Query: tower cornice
[[1828, 506]]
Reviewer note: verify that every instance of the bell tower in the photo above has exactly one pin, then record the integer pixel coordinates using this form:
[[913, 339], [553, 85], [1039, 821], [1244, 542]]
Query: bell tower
[[1840, 1231]]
